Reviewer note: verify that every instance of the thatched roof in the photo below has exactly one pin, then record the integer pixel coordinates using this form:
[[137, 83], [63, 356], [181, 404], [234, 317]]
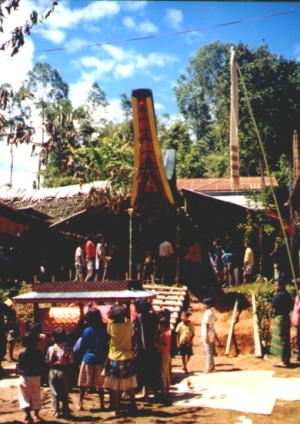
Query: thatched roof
[[58, 202]]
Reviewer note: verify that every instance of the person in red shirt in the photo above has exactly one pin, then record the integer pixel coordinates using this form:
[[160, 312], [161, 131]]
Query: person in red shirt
[[90, 253]]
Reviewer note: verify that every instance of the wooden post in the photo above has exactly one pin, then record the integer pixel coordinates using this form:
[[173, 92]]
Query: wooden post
[[231, 327], [257, 344], [36, 313], [81, 310]]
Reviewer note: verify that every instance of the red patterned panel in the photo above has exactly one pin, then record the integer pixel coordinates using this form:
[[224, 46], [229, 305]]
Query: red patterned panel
[[77, 286]]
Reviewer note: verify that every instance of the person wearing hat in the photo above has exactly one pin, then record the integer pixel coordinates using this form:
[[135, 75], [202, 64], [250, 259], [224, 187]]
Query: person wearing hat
[[208, 335]]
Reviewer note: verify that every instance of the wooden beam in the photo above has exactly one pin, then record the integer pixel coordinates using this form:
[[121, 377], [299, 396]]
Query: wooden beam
[[231, 327]]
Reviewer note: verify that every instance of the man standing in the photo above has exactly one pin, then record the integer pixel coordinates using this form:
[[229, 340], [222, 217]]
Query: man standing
[[90, 253], [248, 262], [101, 260], [80, 264], [165, 253]]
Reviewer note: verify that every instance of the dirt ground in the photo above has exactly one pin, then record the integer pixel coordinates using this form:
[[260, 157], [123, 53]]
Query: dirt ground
[[241, 357]]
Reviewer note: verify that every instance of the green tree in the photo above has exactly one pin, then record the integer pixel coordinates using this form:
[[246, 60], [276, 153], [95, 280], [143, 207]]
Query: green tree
[[196, 91], [177, 136], [272, 85], [13, 121], [48, 89]]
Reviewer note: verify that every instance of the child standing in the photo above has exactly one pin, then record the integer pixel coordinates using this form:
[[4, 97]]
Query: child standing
[[31, 362], [163, 346], [59, 357], [185, 332], [208, 335]]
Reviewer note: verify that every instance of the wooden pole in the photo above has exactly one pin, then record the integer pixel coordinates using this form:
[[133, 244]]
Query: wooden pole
[[257, 344], [231, 327]]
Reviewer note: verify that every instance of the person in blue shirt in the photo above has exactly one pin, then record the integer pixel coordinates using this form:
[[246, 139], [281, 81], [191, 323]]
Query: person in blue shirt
[[94, 348]]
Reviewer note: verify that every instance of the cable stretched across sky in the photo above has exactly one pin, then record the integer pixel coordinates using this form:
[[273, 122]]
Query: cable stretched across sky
[[185, 31]]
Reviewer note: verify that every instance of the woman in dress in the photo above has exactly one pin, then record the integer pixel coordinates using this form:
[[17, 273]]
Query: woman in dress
[[94, 347], [281, 305], [120, 375]]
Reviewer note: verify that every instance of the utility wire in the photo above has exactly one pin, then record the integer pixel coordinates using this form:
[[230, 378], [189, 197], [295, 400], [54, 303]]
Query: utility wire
[[169, 34]]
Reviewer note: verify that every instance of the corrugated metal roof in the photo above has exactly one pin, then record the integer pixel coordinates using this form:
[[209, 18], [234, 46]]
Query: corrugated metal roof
[[63, 297], [239, 200], [206, 185]]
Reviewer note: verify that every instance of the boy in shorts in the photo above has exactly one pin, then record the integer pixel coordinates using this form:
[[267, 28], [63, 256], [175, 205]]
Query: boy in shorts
[[185, 332]]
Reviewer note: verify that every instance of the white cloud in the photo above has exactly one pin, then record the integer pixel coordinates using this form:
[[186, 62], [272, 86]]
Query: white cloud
[[158, 106], [54, 35], [14, 69], [147, 27], [128, 22], [66, 18], [78, 92], [116, 52], [154, 60], [114, 111], [174, 17], [76, 44], [134, 6], [78, 95], [25, 166], [120, 63], [144, 27], [124, 70], [195, 37], [96, 68]]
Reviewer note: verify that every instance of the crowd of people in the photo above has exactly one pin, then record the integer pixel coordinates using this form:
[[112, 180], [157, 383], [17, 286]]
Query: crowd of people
[[91, 259], [194, 261], [111, 354], [108, 354]]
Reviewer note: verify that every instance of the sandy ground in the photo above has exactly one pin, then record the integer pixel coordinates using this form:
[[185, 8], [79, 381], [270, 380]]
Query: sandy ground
[[287, 412]]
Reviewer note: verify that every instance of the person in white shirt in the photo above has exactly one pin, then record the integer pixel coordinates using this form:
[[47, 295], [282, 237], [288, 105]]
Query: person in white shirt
[[208, 335], [102, 260], [166, 253], [80, 264]]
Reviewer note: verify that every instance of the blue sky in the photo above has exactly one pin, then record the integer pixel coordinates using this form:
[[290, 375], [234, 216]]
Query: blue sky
[[90, 41]]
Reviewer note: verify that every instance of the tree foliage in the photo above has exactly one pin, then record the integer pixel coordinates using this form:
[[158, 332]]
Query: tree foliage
[[17, 38], [81, 145], [272, 84]]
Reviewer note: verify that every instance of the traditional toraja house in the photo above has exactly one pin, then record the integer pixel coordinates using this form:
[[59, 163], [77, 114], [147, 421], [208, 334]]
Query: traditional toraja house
[[158, 210], [152, 202], [38, 242]]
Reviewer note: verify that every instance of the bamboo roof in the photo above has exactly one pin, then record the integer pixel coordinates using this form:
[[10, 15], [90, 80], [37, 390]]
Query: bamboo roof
[[58, 202]]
